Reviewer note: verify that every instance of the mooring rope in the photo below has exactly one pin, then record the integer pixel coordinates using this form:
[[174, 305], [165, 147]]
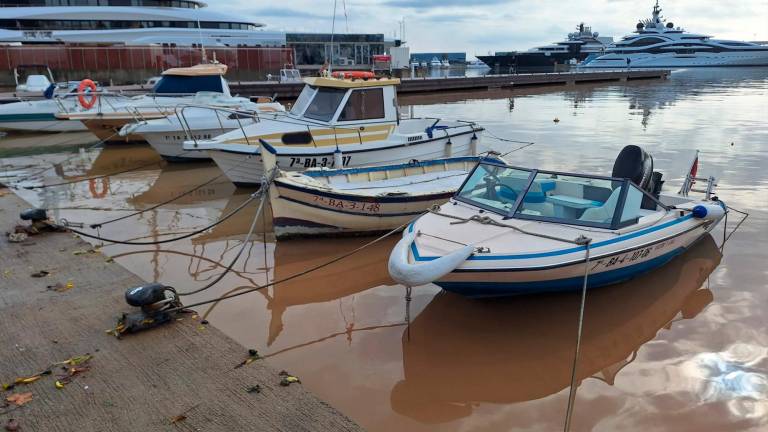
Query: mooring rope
[[176, 198], [157, 242], [587, 242], [246, 241], [304, 272], [487, 220]]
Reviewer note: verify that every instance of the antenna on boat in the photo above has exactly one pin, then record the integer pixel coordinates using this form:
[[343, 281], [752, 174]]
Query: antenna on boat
[[333, 31], [200, 34]]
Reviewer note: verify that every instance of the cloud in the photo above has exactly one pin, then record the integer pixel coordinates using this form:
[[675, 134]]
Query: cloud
[[284, 13], [479, 26], [429, 4]]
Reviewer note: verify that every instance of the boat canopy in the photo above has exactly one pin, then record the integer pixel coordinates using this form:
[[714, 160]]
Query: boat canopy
[[192, 80], [557, 197]]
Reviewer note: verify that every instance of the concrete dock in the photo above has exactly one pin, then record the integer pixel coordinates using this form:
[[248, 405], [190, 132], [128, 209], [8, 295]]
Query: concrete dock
[[178, 377], [453, 84]]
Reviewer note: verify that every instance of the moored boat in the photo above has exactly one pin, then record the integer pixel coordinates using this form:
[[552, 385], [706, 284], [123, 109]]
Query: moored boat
[[353, 121], [203, 84], [198, 122], [359, 200], [511, 230]]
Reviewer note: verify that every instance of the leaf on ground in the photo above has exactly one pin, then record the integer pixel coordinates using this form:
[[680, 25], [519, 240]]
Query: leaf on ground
[[60, 287], [19, 399], [27, 380], [76, 360], [178, 418]]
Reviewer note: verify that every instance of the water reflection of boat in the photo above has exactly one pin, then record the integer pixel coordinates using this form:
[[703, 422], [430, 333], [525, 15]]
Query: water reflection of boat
[[174, 181], [326, 284], [236, 227], [463, 352]]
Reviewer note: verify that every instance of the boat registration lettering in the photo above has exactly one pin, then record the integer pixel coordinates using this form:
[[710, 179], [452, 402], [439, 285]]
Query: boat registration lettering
[[627, 257], [318, 162], [348, 205]]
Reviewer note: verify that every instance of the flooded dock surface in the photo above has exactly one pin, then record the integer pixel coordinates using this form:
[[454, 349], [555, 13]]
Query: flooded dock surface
[[683, 348], [175, 377]]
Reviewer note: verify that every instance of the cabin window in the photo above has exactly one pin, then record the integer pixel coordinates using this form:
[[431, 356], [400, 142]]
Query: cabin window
[[646, 41], [324, 104], [364, 105]]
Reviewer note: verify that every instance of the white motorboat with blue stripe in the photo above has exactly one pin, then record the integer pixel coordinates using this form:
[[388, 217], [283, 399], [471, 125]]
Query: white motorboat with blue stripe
[[511, 230]]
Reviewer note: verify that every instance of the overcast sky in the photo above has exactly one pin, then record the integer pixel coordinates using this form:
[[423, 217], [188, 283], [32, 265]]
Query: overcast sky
[[479, 26]]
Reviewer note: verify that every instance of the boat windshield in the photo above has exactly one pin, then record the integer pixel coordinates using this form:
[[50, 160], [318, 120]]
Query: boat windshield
[[177, 84], [324, 104], [566, 198], [303, 100]]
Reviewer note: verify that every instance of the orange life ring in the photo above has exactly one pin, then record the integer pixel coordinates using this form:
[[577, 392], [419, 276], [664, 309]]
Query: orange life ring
[[353, 74], [104, 187], [90, 102]]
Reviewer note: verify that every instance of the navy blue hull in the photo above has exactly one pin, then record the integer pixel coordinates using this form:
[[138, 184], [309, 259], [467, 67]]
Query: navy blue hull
[[505, 289]]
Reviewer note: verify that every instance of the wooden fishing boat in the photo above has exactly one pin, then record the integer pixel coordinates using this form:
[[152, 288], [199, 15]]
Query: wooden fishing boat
[[511, 230], [362, 200]]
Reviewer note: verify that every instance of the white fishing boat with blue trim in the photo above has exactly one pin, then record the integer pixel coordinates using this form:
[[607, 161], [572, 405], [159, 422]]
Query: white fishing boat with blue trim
[[358, 201], [511, 230]]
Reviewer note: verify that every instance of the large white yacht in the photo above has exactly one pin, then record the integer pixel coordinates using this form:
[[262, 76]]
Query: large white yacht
[[129, 22], [657, 43]]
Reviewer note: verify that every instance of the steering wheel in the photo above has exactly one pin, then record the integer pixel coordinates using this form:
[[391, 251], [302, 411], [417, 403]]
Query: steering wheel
[[491, 181]]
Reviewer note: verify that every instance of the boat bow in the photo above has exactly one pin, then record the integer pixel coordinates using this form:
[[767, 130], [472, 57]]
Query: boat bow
[[402, 271]]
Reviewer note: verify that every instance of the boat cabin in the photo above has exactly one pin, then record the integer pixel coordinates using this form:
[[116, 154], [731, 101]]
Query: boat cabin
[[557, 197], [191, 80], [341, 102]]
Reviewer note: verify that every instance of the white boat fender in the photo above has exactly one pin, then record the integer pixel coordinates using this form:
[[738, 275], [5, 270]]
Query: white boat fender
[[338, 160], [709, 211], [128, 129], [403, 272]]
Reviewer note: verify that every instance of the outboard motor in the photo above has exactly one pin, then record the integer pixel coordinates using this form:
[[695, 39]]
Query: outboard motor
[[636, 164]]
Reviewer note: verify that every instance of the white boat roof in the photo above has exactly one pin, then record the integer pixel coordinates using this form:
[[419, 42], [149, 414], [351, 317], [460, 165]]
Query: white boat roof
[[198, 70], [350, 83]]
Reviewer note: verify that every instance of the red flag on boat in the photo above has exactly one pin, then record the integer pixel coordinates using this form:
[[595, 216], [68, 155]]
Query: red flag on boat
[[694, 168]]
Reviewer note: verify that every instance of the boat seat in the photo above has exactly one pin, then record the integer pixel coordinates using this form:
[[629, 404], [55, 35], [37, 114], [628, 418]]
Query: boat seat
[[604, 213]]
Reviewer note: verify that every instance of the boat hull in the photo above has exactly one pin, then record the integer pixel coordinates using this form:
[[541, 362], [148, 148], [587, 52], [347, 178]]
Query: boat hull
[[606, 268], [169, 144], [245, 169], [40, 117], [673, 60]]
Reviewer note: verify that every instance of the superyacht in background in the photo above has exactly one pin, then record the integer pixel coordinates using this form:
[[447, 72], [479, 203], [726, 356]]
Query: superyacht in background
[[658, 43]]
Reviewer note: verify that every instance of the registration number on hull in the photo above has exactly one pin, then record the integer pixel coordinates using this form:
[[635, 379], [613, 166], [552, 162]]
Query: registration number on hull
[[630, 257], [321, 162], [367, 207]]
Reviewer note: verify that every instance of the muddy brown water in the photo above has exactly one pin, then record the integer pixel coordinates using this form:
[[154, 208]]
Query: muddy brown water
[[682, 348]]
